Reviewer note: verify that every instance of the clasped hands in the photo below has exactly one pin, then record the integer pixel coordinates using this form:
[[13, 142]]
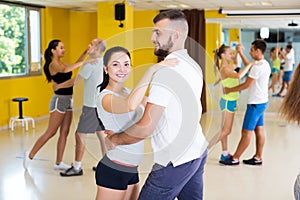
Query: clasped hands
[[108, 140]]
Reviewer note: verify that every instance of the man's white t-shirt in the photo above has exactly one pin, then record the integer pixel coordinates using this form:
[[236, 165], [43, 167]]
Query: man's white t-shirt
[[258, 91], [93, 76], [289, 61], [178, 137]]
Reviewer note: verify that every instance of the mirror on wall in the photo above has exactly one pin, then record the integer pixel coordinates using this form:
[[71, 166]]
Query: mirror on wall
[[249, 28], [282, 30], [277, 37]]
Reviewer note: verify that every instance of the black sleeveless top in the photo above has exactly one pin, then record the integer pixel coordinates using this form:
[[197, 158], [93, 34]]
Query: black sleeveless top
[[60, 78]]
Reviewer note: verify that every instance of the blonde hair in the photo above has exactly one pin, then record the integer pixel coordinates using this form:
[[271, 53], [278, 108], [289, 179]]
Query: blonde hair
[[290, 108]]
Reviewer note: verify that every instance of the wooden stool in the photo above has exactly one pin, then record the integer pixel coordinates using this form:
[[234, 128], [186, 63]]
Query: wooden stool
[[21, 118]]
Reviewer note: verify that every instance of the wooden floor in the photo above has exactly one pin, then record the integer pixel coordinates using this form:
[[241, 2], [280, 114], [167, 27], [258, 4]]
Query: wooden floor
[[272, 181]]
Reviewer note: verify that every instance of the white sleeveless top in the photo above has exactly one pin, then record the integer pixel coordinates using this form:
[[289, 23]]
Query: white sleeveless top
[[129, 154]]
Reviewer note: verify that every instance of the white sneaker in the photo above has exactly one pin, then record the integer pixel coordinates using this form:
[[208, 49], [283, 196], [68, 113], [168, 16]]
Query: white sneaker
[[26, 160], [61, 166]]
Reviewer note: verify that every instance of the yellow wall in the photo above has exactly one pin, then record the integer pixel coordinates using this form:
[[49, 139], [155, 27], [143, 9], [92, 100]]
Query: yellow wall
[[108, 28], [56, 24], [213, 41], [83, 28], [135, 36], [234, 35], [76, 30], [213, 14], [143, 48], [35, 88]]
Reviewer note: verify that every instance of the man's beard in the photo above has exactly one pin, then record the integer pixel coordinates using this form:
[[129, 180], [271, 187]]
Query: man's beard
[[161, 52], [165, 49]]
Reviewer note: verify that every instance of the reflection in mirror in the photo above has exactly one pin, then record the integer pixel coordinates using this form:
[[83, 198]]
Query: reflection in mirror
[[277, 37], [233, 30]]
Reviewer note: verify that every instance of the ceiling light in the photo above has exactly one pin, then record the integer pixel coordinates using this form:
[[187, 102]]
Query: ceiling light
[[131, 3], [261, 3], [266, 3], [260, 12], [170, 6], [184, 6], [251, 4], [264, 32]]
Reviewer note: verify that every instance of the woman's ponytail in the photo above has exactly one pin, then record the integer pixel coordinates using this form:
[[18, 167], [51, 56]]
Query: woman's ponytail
[[48, 58]]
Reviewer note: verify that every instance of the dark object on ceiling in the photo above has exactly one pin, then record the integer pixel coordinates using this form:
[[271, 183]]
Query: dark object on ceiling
[[292, 24]]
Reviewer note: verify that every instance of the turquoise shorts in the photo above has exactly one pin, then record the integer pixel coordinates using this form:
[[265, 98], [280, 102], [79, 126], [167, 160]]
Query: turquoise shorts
[[229, 105], [275, 70]]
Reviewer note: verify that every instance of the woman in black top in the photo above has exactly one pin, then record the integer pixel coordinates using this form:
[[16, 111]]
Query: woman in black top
[[61, 103]]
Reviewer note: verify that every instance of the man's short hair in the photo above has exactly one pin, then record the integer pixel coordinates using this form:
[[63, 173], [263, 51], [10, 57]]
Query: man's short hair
[[289, 46], [170, 14], [260, 44]]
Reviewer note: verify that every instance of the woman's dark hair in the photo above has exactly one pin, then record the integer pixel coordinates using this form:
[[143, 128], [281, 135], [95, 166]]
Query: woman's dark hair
[[272, 49], [106, 58], [48, 58], [218, 52]]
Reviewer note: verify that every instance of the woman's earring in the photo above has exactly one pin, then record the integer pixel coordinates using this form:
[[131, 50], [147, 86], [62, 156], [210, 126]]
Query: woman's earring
[[105, 70]]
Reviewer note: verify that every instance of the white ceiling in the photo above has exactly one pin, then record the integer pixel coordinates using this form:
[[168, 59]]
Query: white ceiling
[[238, 22], [273, 22]]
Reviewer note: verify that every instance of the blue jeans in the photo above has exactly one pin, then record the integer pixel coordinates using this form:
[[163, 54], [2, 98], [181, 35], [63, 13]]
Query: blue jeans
[[184, 181]]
